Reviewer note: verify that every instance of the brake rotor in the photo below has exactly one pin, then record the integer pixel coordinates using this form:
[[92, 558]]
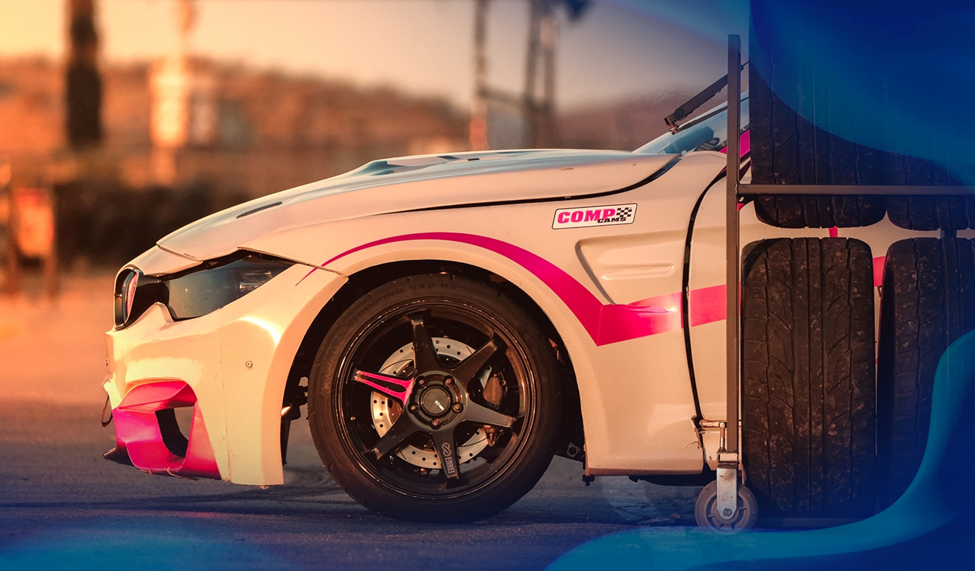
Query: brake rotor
[[386, 411]]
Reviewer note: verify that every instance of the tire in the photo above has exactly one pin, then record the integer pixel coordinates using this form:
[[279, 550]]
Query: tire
[[788, 146], [474, 416], [805, 211], [928, 302], [808, 379], [932, 212]]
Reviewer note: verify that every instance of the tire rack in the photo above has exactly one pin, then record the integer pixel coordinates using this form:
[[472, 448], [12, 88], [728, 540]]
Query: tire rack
[[729, 455]]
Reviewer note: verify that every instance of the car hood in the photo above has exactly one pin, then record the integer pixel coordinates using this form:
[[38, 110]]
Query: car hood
[[416, 183]]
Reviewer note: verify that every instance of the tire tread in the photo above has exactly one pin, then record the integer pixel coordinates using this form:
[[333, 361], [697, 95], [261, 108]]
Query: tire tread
[[807, 313], [928, 302]]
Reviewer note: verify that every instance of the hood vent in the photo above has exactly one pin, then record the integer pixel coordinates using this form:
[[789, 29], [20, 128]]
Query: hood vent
[[258, 209]]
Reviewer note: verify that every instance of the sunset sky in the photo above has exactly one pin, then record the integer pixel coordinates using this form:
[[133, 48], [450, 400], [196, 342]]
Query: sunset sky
[[619, 49]]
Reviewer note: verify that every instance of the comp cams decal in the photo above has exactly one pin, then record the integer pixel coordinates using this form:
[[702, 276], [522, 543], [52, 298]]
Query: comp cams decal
[[594, 216]]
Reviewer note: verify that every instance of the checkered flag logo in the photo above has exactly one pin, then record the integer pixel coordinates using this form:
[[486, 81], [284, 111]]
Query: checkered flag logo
[[588, 216]]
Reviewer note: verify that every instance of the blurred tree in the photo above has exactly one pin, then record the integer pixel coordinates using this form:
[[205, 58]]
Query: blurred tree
[[83, 83], [542, 38]]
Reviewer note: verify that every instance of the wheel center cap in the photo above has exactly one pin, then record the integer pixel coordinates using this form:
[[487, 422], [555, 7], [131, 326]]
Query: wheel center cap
[[435, 401]]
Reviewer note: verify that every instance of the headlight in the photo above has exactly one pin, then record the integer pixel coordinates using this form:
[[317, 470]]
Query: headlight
[[125, 299], [195, 292], [134, 294]]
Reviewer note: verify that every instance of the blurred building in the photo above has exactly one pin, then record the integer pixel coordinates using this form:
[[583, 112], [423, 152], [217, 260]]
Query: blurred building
[[230, 128], [186, 138], [31, 115], [622, 125]]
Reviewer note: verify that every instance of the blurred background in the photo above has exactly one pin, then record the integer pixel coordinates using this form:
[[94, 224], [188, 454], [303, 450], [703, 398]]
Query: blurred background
[[122, 120]]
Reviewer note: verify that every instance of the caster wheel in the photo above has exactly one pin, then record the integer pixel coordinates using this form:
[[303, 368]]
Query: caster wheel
[[707, 516]]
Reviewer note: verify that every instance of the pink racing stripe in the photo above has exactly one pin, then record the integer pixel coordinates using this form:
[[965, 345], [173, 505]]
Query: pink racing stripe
[[708, 304], [605, 323], [639, 319]]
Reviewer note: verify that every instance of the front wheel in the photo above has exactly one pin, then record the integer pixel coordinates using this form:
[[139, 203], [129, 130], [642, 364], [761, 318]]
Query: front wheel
[[435, 398]]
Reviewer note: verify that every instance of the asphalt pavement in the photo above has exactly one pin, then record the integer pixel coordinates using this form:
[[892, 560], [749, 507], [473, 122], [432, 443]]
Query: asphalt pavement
[[63, 506]]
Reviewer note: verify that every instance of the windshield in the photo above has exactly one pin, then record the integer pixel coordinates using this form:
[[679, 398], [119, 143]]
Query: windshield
[[707, 132]]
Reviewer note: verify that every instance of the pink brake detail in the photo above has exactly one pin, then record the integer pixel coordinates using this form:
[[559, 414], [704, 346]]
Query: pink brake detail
[[834, 232], [403, 395], [878, 270], [137, 431]]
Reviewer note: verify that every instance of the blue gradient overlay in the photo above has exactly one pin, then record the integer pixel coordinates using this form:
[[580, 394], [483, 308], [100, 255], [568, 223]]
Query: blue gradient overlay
[[931, 523], [901, 73], [921, 108]]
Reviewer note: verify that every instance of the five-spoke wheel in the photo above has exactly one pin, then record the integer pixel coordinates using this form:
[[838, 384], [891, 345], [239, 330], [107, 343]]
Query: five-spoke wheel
[[435, 398]]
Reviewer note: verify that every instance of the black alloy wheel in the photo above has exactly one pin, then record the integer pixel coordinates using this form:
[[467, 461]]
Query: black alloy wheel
[[435, 398]]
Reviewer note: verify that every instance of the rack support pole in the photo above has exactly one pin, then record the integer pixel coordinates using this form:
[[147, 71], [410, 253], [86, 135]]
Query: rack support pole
[[728, 459]]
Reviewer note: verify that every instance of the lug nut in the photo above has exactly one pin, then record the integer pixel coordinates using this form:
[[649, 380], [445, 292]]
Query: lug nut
[[435, 423], [449, 381], [412, 408], [457, 407], [727, 512], [421, 381]]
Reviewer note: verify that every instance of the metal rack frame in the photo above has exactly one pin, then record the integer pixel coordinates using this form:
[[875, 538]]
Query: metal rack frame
[[729, 456]]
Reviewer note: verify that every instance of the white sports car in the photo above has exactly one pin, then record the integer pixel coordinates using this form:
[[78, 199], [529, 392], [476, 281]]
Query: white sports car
[[453, 321]]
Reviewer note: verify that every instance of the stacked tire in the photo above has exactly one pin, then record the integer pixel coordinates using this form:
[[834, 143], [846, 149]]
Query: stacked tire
[[808, 378], [819, 211], [928, 302]]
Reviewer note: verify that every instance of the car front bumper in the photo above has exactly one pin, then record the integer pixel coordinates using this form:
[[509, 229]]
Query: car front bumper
[[230, 366]]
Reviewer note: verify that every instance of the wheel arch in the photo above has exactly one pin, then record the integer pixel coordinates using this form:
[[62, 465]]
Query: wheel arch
[[571, 439]]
